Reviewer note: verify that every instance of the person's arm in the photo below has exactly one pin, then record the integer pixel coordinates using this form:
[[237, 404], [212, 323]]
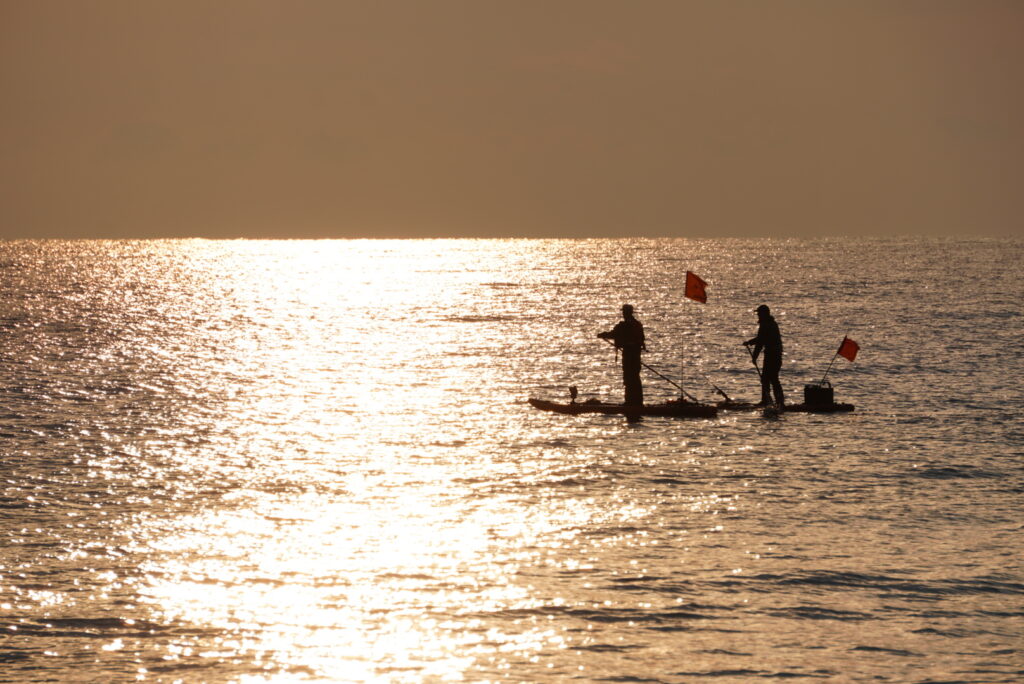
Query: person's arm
[[757, 341], [615, 334]]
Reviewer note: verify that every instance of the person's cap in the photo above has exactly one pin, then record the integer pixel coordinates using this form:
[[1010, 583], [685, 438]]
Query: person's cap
[[627, 308], [763, 309]]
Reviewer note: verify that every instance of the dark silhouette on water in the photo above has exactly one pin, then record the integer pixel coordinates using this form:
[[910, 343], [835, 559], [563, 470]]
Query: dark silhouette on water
[[768, 339], [628, 336]]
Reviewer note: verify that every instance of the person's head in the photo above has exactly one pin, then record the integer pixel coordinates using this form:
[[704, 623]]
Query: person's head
[[627, 310], [763, 311]]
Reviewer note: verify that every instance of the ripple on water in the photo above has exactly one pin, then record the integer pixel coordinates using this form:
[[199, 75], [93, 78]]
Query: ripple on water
[[253, 460]]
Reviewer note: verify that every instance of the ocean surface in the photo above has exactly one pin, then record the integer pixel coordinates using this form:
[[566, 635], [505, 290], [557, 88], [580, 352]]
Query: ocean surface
[[275, 461]]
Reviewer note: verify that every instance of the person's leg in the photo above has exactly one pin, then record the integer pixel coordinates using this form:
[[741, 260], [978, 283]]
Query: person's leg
[[634, 391], [631, 380], [766, 388], [770, 380]]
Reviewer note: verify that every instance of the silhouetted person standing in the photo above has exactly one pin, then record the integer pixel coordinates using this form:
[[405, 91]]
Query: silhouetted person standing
[[628, 336], [770, 340]]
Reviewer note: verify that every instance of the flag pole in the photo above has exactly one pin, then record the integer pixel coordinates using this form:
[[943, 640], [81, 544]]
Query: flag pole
[[682, 340], [682, 361], [682, 372], [693, 288], [836, 356], [682, 347]]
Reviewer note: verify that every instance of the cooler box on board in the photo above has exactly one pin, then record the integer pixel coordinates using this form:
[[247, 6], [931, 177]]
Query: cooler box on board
[[819, 394]]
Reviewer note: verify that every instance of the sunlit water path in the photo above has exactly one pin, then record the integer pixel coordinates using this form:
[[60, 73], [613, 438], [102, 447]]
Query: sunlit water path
[[314, 461]]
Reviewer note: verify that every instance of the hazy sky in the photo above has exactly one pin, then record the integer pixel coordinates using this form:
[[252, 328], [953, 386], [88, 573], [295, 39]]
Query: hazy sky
[[394, 118]]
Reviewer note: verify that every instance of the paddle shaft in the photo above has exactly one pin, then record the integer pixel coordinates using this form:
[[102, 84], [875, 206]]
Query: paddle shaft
[[753, 360]]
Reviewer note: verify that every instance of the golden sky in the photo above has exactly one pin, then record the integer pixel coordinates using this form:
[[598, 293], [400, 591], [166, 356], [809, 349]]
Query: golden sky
[[520, 118]]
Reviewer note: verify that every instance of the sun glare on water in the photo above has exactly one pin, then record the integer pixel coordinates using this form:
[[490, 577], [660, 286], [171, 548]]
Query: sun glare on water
[[344, 539], [256, 461]]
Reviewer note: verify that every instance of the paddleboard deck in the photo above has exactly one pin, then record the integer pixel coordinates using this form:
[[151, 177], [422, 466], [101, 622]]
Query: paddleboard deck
[[670, 409], [788, 408]]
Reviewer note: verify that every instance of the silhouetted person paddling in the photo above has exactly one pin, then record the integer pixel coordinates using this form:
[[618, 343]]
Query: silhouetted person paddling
[[628, 336], [770, 340]]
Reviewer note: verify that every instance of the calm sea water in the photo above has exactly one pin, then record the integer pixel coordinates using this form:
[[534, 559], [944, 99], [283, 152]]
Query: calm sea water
[[314, 461]]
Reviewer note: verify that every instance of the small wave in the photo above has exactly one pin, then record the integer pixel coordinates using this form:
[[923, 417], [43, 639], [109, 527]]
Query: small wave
[[890, 651], [644, 619], [760, 674], [176, 667], [419, 576], [953, 633], [954, 472], [1001, 613], [101, 628], [482, 319], [885, 583], [15, 656], [109, 389], [819, 613], [555, 443], [668, 481], [725, 673], [612, 531], [105, 623], [567, 482], [609, 648], [637, 580]]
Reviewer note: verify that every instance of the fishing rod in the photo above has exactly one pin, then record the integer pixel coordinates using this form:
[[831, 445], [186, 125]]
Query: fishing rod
[[695, 290], [663, 377], [717, 388], [690, 396]]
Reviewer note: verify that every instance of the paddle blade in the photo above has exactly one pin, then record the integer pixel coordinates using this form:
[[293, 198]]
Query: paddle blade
[[695, 288], [848, 349]]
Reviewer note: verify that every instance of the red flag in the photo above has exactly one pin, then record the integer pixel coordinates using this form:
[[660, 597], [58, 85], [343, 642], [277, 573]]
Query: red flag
[[695, 288], [848, 349]]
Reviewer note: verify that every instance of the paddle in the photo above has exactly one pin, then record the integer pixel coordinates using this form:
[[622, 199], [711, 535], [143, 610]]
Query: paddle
[[769, 410], [753, 359]]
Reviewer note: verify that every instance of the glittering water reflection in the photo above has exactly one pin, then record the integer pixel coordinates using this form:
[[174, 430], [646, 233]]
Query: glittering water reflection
[[387, 579], [251, 461]]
